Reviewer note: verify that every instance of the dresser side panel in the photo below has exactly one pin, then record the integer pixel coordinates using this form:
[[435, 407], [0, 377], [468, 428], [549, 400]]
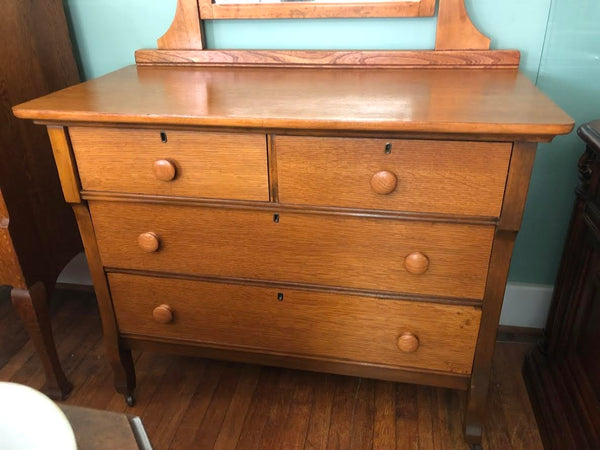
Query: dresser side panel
[[519, 175]]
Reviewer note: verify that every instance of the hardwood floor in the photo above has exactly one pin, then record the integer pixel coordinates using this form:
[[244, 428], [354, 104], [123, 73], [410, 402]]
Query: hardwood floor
[[188, 403]]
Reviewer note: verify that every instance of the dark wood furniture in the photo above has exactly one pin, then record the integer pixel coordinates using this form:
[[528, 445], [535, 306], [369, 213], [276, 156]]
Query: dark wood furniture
[[563, 372], [100, 430], [350, 212], [38, 234]]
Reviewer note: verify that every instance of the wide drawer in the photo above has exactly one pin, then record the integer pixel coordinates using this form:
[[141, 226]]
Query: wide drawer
[[178, 163], [335, 250], [450, 177], [295, 322]]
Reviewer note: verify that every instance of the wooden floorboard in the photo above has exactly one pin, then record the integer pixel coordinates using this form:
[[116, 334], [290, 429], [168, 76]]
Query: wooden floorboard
[[192, 403], [320, 413]]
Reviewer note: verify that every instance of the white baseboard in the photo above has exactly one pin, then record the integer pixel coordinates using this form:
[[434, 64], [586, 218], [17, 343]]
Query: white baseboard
[[525, 305]]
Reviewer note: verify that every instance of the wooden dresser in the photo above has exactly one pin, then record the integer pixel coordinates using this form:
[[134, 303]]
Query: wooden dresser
[[562, 373], [351, 212]]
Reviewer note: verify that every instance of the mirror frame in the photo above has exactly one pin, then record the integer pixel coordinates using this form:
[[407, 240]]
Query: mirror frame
[[309, 9], [458, 43]]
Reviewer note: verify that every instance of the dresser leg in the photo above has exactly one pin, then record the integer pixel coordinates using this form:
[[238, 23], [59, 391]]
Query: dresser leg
[[473, 418], [486, 341], [119, 358], [32, 306], [124, 373]]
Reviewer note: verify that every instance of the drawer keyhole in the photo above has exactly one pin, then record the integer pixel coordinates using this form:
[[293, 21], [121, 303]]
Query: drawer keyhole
[[388, 148], [276, 218], [280, 296], [163, 137]]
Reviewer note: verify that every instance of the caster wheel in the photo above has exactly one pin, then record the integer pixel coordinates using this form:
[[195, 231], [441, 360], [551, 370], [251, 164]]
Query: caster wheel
[[130, 400]]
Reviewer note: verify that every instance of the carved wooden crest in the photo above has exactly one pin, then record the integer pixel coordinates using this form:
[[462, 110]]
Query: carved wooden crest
[[458, 43]]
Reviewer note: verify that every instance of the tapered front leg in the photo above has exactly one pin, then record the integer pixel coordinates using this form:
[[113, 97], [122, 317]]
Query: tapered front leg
[[119, 358], [124, 373], [522, 159], [32, 306]]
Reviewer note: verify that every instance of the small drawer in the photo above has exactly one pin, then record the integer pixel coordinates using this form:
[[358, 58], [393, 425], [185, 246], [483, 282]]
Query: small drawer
[[294, 322], [449, 177], [172, 163], [434, 259]]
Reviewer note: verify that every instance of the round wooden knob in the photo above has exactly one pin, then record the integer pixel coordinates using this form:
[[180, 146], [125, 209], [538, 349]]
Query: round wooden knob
[[149, 242], [164, 170], [163, 314], [408, 342], [416, 263], [384, 182]]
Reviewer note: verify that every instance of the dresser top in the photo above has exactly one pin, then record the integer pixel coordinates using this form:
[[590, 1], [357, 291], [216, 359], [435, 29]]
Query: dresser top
[[428, 101]]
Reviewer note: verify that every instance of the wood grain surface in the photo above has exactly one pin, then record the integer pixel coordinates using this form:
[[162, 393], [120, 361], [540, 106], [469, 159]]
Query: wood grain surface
[[279, 207], [37, 59], [433, 176], [517, 186], [118, 358], [562, 372], [300, 362], [65, 163], [492, 307], [10, 269], [436, 59], [32, 306], [510, 222], [186, 29], [342, 251], [455, 31], [211, 165], [323, 254], [184, 401], [41, 237], [297, 322], [306, 10], [393, 100]]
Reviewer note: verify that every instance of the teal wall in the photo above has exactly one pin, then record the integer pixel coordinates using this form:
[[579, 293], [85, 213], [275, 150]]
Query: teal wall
[[569, 73], [558, 39]]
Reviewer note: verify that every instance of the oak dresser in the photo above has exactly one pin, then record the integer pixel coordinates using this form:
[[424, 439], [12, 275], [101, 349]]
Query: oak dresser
[[350, 212]]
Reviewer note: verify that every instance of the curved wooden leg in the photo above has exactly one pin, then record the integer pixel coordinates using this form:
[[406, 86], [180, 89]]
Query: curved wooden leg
[[119, 358], [32, 306], [124, 373]]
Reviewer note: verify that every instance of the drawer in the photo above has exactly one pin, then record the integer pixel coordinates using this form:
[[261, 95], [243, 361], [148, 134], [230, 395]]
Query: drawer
[[355, 252], [295, 322], [463, 178], [189, 163]]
